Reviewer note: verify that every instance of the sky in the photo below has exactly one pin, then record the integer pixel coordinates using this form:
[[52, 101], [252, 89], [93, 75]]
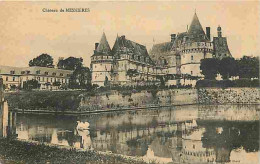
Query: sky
[[26, 31]]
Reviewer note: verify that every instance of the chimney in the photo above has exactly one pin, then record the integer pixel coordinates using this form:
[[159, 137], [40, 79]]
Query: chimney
[[1, 91], [173, 37], [96, 46], [208, 32]]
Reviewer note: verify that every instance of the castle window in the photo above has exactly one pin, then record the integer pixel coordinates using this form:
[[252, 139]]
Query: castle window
[[191, 72], [6, 79], [12, 72], [191, 57], [46, 73], [38, 72], [165, 61], [13, 78]]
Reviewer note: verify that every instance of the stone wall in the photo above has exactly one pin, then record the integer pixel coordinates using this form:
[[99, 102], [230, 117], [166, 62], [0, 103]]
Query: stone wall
[[229, 96], [74, 101], [115, 99]]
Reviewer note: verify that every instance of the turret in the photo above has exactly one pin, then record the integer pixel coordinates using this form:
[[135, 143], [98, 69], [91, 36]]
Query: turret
[[219, 32]]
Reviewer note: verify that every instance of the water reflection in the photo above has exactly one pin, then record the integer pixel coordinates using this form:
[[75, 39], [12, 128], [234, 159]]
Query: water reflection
[[187, 134]]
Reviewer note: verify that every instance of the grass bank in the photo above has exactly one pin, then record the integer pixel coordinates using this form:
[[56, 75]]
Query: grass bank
[[14, 151], [50, 100]]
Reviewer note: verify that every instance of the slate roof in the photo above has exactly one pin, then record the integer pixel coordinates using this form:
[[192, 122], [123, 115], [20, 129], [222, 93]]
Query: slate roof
[[196, 32], [221, 47], [6, 70], [123, 45], [159, 50], [103, 47]]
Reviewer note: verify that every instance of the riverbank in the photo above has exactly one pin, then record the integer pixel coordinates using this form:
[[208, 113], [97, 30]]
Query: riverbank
[[82, 102], [15, 151]]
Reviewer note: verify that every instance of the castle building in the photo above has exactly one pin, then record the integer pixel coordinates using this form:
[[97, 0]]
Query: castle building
[[180, 58], [128, 63]]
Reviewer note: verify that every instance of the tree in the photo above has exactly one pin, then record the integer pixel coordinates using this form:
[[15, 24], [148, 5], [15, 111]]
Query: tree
[[56, 83], [71, 63], [44, 60], [106, 82], [248, 67], [81, 78], [131, 73], [209, 68], [227, 67], [31, 84]]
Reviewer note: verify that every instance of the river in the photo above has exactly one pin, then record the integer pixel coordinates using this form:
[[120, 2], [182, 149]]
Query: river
[[181, 134]]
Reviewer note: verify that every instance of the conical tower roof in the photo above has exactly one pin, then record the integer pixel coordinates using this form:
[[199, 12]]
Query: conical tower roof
[[103, 46], [195, 29]]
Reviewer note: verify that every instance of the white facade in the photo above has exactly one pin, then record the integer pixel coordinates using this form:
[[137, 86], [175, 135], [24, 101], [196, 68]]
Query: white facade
[[16, 76]]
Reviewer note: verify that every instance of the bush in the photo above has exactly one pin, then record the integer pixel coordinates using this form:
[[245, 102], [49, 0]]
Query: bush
[[228, 83], [246, 83]]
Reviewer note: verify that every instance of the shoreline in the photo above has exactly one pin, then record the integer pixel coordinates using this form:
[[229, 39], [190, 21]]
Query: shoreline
[[55, 153], [71, 113]]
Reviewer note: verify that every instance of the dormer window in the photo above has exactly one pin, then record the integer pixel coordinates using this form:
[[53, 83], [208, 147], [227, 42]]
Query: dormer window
[[12, 72], [46, 73], [22, 72], [61, 74], [38, 72], [53, 74]]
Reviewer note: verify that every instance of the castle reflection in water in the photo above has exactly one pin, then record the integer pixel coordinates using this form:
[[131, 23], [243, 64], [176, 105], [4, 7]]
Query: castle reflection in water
[[184, 134]]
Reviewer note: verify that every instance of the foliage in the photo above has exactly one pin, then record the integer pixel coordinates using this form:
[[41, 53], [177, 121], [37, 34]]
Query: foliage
[[209, 68], [227, 83], [46, 100], [162, 80], [248, 67], [81, 78], [56, 83], [227, 67], [14, 151], [71, 63], [31, 84], [106, 82], [132, 72], [44, 60]]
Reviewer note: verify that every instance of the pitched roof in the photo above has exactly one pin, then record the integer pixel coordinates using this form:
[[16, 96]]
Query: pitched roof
[[160, 49], [196, 31], [5, 70], [103, 46], [127, 46]]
